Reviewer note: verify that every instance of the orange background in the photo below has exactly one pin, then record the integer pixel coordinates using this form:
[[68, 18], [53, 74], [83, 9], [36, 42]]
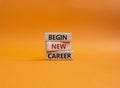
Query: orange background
[[95, 25]]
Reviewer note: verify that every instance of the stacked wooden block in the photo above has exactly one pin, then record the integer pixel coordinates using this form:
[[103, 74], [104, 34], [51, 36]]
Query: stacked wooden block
[[58, 46]]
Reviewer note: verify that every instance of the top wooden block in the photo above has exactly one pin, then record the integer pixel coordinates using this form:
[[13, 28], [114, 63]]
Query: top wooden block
[[65, 37]]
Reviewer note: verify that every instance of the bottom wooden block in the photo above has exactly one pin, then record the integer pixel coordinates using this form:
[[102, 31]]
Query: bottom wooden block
[[60, 55]]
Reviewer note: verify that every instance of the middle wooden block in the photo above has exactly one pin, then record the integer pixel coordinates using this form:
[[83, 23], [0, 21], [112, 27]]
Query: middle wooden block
[[58, 46]]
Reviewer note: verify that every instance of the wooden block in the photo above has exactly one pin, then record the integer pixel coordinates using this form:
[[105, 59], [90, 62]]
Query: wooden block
[[53, 37], [60, 55], [58, 46]]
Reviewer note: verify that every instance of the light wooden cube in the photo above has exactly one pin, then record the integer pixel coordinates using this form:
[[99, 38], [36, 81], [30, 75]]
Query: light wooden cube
[[52, 37], [59, 55], [58, 46]]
